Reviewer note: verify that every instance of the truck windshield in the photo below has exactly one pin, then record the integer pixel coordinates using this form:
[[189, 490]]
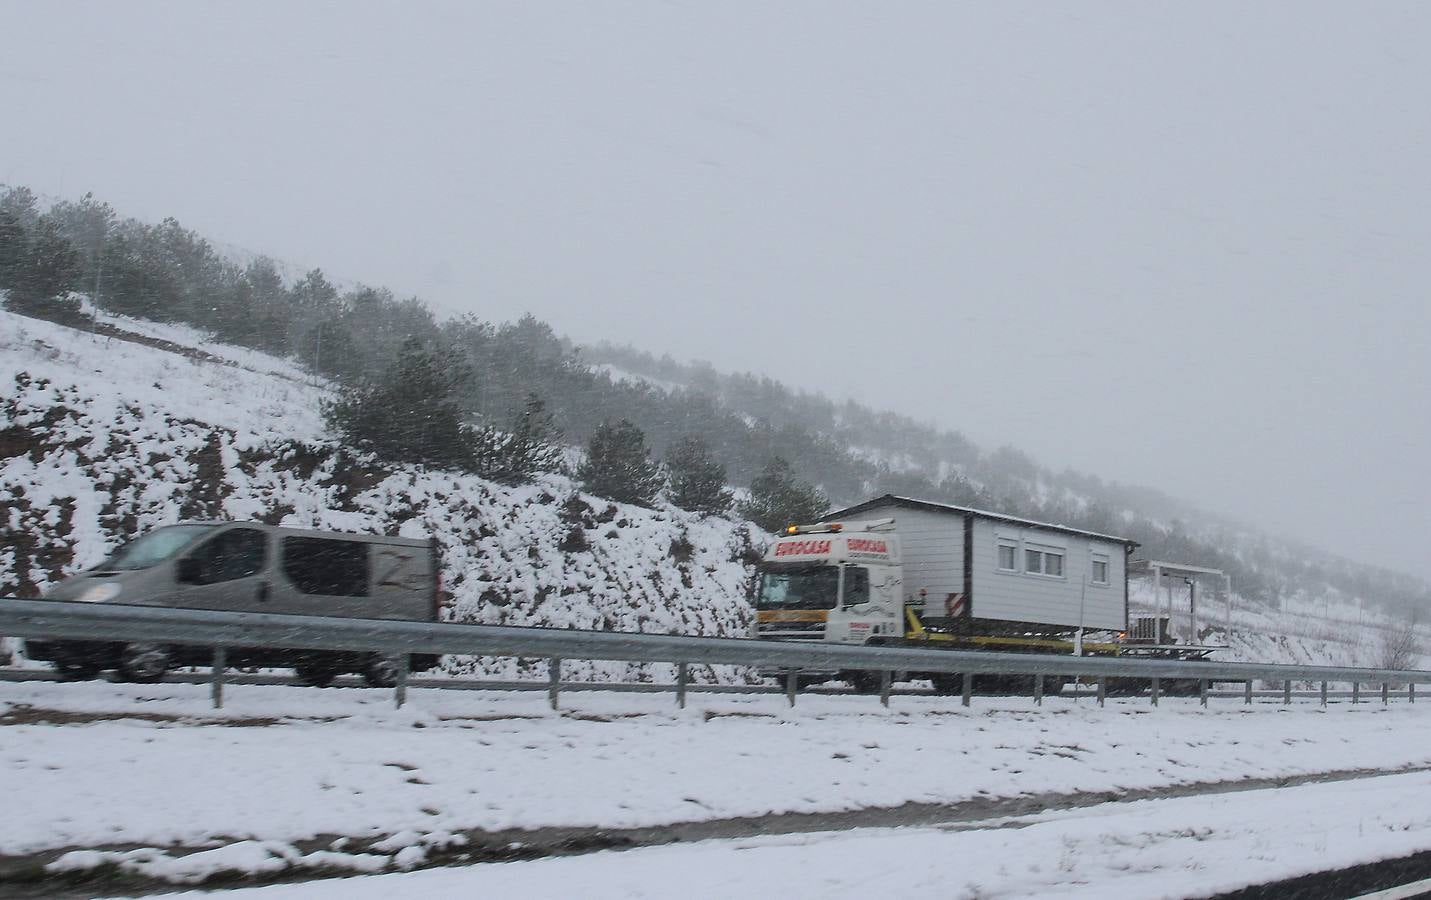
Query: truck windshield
[[155, 547], [810, 588]]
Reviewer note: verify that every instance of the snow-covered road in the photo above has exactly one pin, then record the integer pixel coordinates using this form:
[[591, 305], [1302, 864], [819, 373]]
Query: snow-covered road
[[289, 777], [1185, 847]]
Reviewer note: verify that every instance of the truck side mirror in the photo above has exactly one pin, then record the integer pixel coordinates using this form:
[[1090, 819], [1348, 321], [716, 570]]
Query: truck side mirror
[[189, 570]]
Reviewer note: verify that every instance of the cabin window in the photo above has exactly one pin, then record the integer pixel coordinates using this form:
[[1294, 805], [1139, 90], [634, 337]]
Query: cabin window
[[1044, 561], [1008, 556], [324, 566], [1100, 568], [857, 585], [234, 554]]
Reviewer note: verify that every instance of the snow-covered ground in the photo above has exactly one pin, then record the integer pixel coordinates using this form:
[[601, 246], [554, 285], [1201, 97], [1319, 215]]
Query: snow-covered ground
[[283, 773], [102, 437], [1175, 848]]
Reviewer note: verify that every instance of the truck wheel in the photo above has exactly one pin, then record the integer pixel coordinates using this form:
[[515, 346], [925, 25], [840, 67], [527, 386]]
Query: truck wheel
[[380, 671], [143, 663], [77, 669], [947, 684], [316, 673], [863, 682]]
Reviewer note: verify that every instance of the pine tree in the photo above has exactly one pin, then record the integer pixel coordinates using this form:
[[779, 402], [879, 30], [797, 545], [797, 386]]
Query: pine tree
[[532, 444], [410, 414], [778, 498], [17, 216], [618, 465], [697, 480], [39, 268]]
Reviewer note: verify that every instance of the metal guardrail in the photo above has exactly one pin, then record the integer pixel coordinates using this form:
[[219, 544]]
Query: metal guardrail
[[52, 620]]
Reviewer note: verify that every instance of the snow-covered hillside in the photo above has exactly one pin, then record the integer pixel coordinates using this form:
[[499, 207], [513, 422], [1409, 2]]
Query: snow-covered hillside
[[108, 432], [102, 437]]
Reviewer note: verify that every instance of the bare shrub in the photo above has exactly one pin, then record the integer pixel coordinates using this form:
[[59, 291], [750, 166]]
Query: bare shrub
[[1400, 648]]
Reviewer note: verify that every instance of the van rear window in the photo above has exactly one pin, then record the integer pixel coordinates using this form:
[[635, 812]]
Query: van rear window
[[321, 566]]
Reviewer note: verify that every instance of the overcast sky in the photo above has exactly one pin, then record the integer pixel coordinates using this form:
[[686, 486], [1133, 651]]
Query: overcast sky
[[1183, 246]]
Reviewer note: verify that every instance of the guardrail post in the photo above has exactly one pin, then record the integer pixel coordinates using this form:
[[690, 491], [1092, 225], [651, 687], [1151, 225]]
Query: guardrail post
[[1247, 692], [1038, 689], [554, 681], [1356, 691], [1324, 693], [1154, 692], [1385, 693], [1102, 689], [884, 679], [1411, 692], [682, 674], [968, 689], [1202, 691], [221, 662], [1287, 692], [792, 686], [400, 685]]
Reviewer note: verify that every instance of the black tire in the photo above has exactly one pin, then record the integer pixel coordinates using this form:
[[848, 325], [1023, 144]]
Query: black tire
[[947, 684], [144, 663], [863, 682], [77, 669], [381, 670], [316, 673], [1054, 684]]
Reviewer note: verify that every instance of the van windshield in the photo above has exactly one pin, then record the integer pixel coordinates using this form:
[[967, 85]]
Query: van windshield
[[155, 547]]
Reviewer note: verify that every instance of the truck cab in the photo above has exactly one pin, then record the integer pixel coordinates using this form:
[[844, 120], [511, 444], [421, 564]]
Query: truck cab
[[835, 581]]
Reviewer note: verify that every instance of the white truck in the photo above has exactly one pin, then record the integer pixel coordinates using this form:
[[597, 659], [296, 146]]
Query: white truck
[[905, 572]]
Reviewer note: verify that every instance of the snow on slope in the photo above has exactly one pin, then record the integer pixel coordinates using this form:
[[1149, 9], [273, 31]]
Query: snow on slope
[[102, 438]]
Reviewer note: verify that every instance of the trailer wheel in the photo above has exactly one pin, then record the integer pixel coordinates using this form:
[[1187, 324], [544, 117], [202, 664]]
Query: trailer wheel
[[316, 672], [1006, 684], [143, 663], [863, 682]]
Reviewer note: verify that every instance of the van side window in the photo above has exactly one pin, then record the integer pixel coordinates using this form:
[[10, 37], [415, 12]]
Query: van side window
[[236, 553], [322, 566]]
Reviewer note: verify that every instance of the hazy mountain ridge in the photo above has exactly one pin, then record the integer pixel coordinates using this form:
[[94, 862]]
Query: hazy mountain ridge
[[917, 459], [167, 272], [112, 431]]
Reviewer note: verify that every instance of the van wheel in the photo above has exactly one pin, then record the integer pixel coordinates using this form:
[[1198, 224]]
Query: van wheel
[[316, 673], [143, 663], [381, 671], [77, 669]]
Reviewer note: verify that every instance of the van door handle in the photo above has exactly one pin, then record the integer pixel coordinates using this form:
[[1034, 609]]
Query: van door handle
[[263, 591]]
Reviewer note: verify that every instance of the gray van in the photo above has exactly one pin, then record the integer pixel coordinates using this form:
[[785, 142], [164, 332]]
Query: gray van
[[252, 567]]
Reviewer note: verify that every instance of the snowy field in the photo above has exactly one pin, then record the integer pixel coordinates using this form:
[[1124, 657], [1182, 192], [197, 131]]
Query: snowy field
[[1185, 847], [142, 777]]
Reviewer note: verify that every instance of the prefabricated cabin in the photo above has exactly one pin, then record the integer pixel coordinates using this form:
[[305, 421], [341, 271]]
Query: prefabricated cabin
[[971, 568]]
